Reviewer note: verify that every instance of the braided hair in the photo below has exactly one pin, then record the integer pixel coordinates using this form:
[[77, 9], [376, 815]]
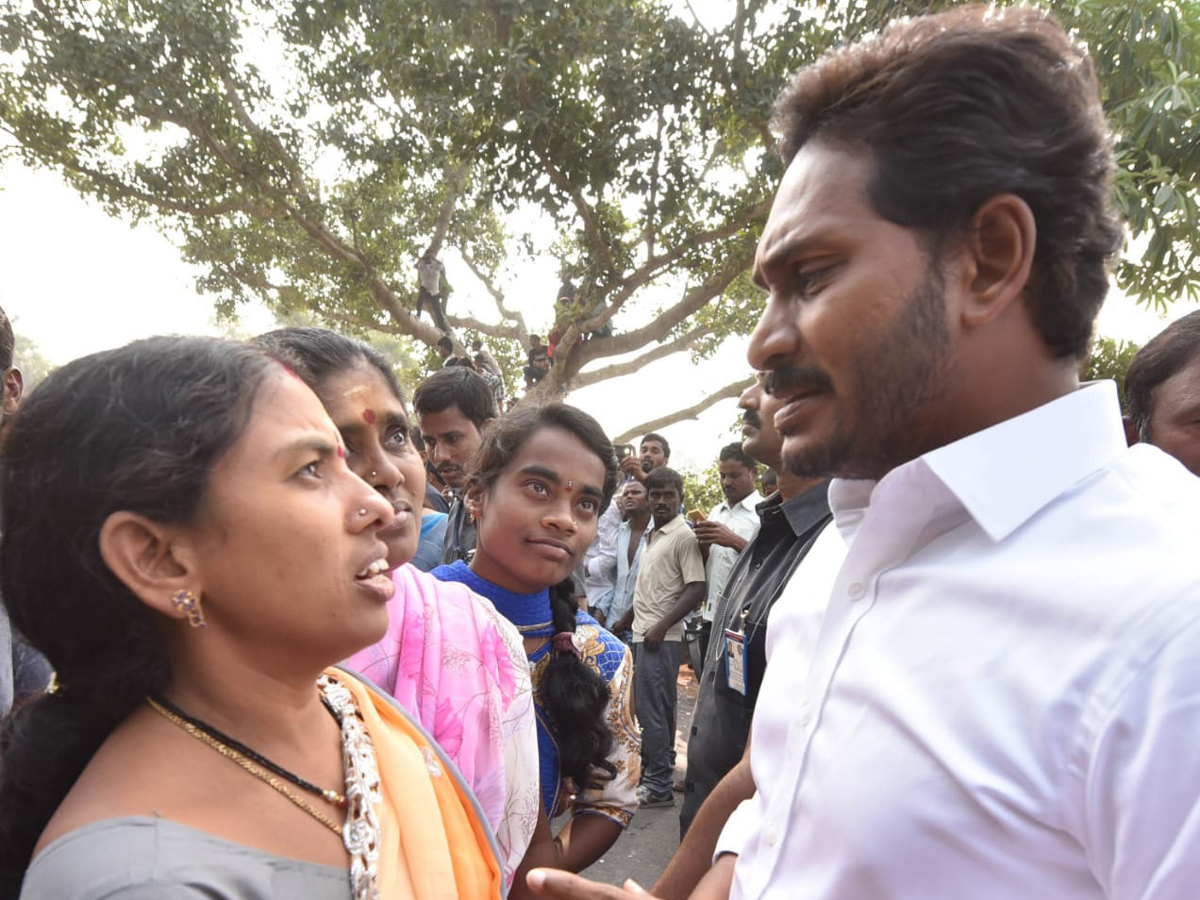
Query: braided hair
[[573, 695]]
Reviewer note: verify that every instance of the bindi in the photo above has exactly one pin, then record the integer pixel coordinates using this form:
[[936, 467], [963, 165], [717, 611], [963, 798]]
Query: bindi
[[369, 416], [570, 486], [341, 452]]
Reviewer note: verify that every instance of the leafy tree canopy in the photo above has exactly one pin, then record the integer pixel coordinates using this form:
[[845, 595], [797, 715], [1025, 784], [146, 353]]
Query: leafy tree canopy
[[310, 153], [1110, 359]]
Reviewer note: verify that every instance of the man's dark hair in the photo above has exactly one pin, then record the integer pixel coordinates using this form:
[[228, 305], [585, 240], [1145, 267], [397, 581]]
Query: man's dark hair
[[664, 477], [444, 343], [735, 452], [654, 436], [959, 107], [477, 344], [1162, 358], [7, 342], [456, 386]]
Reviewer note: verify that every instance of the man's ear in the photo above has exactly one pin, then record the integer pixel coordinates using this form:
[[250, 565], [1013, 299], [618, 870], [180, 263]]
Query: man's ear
[[150, 559], [1000, 242], [14, 387], [1131, 434]]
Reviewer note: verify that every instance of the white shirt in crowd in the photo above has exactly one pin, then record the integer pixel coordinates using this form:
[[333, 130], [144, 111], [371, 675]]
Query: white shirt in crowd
[[599, 562], [742, 520], [1002, 697]]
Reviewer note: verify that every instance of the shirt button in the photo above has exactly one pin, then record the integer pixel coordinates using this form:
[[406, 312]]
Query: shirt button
[[856, 590], [803, 715], [771, 836]]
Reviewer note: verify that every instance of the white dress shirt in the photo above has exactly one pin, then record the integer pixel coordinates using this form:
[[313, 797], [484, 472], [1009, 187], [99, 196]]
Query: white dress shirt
[[1001, 699], [742, 520], [600, 561]]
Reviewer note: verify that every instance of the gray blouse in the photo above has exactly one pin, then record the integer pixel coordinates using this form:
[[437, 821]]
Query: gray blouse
[[143, 857]]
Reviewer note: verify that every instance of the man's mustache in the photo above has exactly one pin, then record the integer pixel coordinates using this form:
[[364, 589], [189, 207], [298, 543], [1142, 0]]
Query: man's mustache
[[752, 418], [808, 379]]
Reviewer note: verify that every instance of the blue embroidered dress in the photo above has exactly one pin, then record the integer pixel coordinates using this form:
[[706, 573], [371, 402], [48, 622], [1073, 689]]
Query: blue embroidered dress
[[605, 654]]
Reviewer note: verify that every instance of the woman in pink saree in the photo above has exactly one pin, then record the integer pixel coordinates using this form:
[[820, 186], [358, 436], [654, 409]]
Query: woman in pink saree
[[448, 657]]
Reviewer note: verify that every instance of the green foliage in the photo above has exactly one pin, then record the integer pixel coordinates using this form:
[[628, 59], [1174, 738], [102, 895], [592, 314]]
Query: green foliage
[[702, 488], [33, 365], [1110, 359]]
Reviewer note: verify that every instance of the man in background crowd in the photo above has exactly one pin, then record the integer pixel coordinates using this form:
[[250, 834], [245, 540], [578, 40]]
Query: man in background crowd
[[453, 407], [670, 584], [1162, 392], [718, 769], [653, 452], [726, 532], [617, 613], [23, 671]]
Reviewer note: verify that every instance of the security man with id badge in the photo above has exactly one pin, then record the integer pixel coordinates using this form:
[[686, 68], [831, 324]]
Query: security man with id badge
[[789, 521], [737, 654]]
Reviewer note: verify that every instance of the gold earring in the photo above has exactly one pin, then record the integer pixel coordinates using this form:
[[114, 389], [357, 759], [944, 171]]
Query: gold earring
[[189, 604]]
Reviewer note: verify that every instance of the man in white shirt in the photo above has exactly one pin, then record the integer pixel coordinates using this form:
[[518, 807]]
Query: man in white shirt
[[996, 694], [730, 526]]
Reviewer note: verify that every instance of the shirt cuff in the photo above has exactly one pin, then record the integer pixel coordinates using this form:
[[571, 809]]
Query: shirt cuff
[[738, 827]]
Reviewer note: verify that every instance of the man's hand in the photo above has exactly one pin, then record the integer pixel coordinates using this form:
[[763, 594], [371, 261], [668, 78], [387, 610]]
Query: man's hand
[[598, 615], [709, 533], [654, 637], [632, 466], [624, 623], [559, 885]]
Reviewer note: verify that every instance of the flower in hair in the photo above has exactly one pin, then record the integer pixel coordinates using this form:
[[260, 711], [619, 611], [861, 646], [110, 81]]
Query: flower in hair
[[568, 642]]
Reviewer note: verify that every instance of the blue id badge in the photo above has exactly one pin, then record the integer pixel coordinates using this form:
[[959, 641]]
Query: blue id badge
[[735, 660]]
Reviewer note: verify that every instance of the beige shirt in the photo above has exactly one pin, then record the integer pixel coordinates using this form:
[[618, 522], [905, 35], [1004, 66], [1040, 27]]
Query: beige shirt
[[670, 562]]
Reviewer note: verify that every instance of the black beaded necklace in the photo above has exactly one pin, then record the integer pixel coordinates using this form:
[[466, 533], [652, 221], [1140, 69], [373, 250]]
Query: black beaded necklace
[[216, 734]]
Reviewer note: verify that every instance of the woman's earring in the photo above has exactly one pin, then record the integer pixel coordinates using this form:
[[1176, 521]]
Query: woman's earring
[[189, 604]]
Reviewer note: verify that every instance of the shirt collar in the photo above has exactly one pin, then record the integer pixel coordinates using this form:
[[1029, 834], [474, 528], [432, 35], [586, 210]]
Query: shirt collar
[[673, 525], [807, 509], [1005, 474], [749, 502]]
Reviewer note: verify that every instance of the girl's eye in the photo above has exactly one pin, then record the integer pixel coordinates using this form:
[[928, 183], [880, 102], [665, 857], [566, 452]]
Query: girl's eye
[[311, 470], [538, 488], [398, 437], [588, 506]]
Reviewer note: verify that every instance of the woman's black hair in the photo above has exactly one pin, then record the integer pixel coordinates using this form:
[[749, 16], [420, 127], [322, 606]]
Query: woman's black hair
[[317, 354], [137, 429], [573, 695]]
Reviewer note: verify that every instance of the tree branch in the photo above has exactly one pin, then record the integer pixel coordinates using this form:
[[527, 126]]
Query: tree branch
[[295, 174], [496, 294], [691, 412], [691, 302], [454, 181], [599, 244], [629, 367], [653, 265]]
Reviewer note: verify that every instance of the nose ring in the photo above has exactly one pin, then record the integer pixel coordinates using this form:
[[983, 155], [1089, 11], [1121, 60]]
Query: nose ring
[[373, 473], [362, 510]]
